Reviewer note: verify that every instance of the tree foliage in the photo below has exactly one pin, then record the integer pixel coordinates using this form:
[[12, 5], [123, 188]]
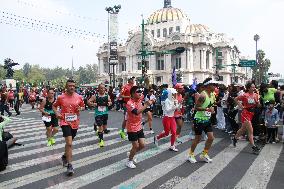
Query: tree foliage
[[261, 69], [36, 75]]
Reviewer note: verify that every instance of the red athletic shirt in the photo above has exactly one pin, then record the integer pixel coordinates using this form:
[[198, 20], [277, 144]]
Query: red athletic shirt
[[133, 123], [69, 109], [249, 100], [125, 91]]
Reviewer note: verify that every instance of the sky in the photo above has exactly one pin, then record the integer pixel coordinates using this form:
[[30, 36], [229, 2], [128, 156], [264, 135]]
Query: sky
[[239, 19]]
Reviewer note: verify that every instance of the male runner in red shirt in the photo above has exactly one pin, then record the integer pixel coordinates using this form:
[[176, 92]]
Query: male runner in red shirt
[[70, 104], [125, 95]]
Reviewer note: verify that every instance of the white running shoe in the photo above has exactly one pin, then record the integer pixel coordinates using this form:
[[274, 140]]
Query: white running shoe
[[130, 164], [205, 157], [191, 158], [152, 132], [134, 159], [156, 140], [173, 148]]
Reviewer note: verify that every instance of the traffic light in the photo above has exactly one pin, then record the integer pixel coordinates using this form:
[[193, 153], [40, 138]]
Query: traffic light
[[144, 67]]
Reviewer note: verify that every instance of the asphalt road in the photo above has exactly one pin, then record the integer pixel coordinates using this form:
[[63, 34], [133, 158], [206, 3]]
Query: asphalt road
[[35, 165]]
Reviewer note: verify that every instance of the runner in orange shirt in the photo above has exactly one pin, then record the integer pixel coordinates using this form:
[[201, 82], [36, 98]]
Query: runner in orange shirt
[[125, 95], [135, 132], [71, 104]]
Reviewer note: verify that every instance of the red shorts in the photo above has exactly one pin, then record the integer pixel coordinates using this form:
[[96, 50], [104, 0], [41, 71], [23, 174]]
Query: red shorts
[[246, 116]]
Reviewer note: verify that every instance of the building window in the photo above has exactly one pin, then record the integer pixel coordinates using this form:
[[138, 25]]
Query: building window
[[178, 29], [158, 33], [221, 78], [153, 33], [160, 65], [171, 30], [200, 58], [122, 67], [207, 59], [159, 80], [178, 63], [165, 32]]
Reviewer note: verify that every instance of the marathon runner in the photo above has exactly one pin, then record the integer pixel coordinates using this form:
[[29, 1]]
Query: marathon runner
[[125, 95], [135, 132], [71, 104], [202, 120], [149, 109], [101, 101], [249, 101], [179, 112], [48, 117]]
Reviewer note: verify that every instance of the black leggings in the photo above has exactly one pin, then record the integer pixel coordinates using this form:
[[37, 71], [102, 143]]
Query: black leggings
[[271, 134]]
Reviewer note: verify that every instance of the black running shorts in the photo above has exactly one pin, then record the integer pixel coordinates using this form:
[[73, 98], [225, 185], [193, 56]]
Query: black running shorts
[[68, 131], [199, 127], [101, 120], [134, 136]]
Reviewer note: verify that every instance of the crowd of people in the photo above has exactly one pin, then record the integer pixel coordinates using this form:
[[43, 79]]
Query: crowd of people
[[244, 112]]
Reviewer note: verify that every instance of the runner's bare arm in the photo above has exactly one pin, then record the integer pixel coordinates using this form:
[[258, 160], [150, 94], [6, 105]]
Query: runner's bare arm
[[199, 102], [109, 101], [54, 108], [91, 101]]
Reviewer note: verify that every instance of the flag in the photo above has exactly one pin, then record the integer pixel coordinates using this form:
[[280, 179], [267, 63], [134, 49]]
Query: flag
[[174, 77], [194, 83]]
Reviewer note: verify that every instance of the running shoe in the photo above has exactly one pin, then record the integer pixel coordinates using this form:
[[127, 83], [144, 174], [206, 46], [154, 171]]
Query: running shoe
[[152, 131], [134, 159], [173, 148], [255, 149], [52, 140], [101, 143], [122, 134], [191, 158], [49, 142], [156, 140], [64, 161], [234, 140], [70, 170], [204, 157], [106, 131], [130, 164]]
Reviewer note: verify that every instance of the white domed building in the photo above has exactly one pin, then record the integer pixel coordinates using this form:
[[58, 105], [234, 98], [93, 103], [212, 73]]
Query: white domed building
[[167, 29]]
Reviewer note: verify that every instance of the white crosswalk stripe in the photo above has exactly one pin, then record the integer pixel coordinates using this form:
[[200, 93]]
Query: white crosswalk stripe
[[39, 165]]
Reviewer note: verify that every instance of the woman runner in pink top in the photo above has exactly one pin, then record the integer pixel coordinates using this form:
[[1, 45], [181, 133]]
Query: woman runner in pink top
[[135, 132]]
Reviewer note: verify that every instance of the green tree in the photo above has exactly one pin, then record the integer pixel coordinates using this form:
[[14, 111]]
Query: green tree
[[262, 67], [27, 69]]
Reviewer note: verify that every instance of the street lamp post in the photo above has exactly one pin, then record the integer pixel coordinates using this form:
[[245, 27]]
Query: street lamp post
[[256, 38], [111, 10]]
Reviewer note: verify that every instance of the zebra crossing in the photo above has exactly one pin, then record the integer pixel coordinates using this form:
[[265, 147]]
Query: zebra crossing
[[35, 165]]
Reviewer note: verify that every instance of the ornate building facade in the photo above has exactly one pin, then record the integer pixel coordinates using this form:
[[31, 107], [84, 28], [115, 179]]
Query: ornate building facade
[[168, 29]]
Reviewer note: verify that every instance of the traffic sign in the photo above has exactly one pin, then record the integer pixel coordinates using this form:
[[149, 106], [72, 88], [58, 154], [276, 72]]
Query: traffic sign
[[247, 63]]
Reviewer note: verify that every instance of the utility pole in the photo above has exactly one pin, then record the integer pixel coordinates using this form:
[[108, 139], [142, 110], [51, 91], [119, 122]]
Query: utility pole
[[112, 45]]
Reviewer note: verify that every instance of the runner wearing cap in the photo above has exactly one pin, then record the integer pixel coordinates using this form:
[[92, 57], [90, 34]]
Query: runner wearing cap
[[169, 122], [202, 120], [135, 132], [71, 104], [125, 95]]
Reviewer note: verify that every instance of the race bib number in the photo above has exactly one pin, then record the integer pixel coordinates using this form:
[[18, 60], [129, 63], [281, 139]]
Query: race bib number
[[70, 117], [208, 114], [101, 108], [46, 118], [251, 101]]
